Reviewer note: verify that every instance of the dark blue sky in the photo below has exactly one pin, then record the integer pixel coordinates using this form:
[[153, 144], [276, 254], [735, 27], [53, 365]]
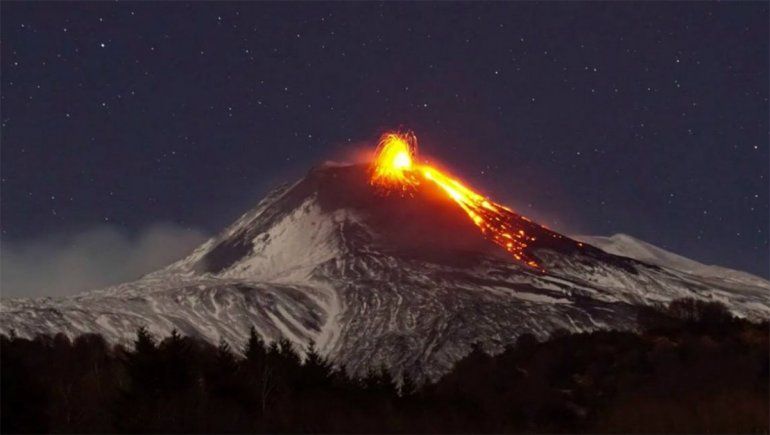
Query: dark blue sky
[[644, 118]]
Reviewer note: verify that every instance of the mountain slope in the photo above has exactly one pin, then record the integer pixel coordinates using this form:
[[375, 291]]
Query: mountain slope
[[404, 282], [628, 246]]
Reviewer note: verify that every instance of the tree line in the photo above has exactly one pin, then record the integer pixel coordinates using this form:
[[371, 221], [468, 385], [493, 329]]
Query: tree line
[[691, 367]]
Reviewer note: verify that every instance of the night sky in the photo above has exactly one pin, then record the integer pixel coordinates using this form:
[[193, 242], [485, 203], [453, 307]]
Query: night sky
[[595, 118]]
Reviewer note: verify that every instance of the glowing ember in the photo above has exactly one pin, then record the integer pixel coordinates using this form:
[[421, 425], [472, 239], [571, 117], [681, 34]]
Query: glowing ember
[[394, 168], [394, 161]]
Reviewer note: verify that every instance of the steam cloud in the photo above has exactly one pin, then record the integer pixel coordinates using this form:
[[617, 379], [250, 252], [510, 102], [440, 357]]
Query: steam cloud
[[64, 265]]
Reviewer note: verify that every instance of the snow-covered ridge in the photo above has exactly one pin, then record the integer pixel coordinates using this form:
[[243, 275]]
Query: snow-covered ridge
[[628, 246]]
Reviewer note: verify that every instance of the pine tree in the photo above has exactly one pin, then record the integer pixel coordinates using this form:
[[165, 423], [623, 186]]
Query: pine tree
[[225, 357], [255, 347], [144, 343], [176, 365], [316, 369], [287, 354]]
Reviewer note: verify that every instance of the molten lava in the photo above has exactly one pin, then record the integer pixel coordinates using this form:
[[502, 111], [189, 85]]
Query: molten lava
[[394, 162], [394, 168]]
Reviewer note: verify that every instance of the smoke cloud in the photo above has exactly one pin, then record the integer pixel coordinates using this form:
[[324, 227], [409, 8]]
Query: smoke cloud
[[67, 264]]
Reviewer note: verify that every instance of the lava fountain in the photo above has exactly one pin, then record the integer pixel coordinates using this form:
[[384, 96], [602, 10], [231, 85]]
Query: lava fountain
[[394, 168]]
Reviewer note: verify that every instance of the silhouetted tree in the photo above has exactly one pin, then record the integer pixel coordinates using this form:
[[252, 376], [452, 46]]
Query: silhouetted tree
[[697, 370], [696, 310], [316, 369], [255, 348]]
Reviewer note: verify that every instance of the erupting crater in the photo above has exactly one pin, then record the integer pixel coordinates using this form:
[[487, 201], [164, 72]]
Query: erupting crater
[[395, 169]]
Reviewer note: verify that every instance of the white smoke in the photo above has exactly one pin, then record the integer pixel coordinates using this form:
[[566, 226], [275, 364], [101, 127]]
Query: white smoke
[[59, 265]]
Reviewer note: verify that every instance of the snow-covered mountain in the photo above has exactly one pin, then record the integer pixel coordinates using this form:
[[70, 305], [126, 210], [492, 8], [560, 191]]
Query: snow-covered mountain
[[404, 282], [628, 246]]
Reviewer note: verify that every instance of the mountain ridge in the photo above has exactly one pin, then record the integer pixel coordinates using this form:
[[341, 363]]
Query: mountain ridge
[[629, 246], [404, 282]]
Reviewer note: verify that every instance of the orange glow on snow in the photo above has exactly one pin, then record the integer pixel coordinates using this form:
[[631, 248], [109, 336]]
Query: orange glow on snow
[[394, 168]]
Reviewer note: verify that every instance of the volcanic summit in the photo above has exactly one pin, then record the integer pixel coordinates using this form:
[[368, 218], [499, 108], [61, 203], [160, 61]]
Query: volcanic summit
[[392, 263]]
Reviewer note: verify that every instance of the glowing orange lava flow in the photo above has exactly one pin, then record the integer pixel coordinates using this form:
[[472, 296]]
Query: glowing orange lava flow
[[394, 168]]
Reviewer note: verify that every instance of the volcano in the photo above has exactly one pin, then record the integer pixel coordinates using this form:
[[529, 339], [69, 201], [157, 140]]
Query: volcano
[[407, 279]]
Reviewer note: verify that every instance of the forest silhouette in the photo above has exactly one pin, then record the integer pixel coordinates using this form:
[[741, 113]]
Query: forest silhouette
[[690, 367]]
